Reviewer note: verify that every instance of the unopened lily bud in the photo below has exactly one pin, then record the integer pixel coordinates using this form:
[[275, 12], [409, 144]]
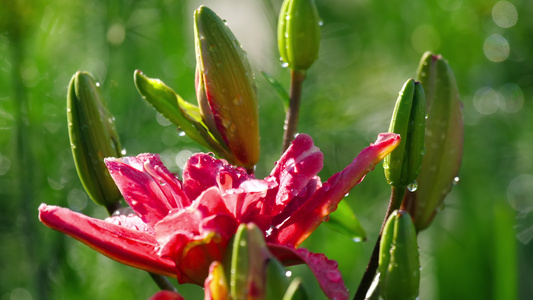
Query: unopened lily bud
[[92, 138], [277, 281], [216, 285], [299, 33], [443, 139], [249, 257], [225, 88], [399, 264], [403, 164], [252, 272]]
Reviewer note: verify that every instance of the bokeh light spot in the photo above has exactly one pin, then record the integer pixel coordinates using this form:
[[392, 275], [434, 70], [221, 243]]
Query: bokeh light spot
[[77, 199], [5, 164], [513, 97], [182, 157], [520, 192], [496, 48], [116, 34], [504, 14], [487, 100], [20, 294]]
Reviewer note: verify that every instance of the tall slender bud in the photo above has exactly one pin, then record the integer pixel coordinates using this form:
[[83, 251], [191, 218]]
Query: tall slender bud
[[399, 264], [92, 138], [225, 88], [443, 139], [299, 33], [403, 164]]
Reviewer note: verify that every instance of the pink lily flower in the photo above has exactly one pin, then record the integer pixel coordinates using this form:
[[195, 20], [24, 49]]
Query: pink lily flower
[[177, 228]]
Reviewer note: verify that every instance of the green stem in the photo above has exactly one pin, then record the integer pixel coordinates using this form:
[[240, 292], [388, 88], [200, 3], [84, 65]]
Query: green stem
[[395, 202], [291, 118], [162, 282]]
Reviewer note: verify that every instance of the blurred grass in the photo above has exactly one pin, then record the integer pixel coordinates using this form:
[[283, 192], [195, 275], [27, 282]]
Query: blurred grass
[[479, 247]]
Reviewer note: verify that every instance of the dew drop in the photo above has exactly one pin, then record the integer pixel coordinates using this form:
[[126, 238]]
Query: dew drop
[[347, 194], [181, 133], [226, 123], [162, 183], [326, 218], [284, 64], [237, 100], [123, 151], [288, 273], [413, 186], [456, 180], [233, 128], [333, 276], [320, 23], [98, 84]]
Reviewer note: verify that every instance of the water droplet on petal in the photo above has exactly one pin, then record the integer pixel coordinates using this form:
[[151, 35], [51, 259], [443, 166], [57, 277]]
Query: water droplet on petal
[[326, 218], [333, 276], [412, 186]]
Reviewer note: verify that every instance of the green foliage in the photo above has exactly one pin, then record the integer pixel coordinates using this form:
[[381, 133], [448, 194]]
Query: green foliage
[[367, 50]]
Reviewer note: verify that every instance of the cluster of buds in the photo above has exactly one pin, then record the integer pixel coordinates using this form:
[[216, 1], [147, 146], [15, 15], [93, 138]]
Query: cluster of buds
[[443, 140]]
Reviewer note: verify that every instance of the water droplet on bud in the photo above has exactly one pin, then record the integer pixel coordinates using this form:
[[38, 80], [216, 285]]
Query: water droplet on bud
[[412, 186], [456, 180]]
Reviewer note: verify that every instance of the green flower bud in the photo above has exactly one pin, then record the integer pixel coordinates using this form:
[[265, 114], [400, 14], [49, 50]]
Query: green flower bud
[[225, 88], [443, 139], [299, 33], [249, 257], [253, 272], [399, 265], [403, 164], [92, 138]]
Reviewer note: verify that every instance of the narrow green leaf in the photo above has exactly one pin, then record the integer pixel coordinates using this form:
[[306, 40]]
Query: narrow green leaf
[[282, 93], [178, 111], [344, 221]]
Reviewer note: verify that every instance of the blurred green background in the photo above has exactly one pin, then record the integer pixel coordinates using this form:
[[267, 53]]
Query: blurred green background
[[479, 247]]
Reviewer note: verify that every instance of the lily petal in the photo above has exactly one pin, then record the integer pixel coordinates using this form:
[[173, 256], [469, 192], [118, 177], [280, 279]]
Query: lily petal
[[324, 201], [326, 270], [202, 170], [131, 247], [166, 295], [147, 186], [299, 164]]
